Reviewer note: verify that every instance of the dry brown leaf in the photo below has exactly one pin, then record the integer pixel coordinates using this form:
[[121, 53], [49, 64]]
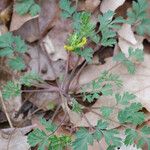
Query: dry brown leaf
[[29, 31], [4, 4], [56, 38], [17, 20], [48, 15], [110, 5], [127, 34], [40, 64], [3, 29], [46, 100], [91, 5], [18, 141], [125, 45]]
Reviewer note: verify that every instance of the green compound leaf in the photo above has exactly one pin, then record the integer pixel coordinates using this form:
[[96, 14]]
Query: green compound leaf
[[138, 16], [107, 24], [23, 7], [138, 54], [83, 139], [16, 63], [49, 126], [107, 90], [132, 115], [131, 135], [86, 53], [125, 98], [112, 137], [59, 142], [38, 137], [11, 89], [30, 79], [127, 62], [106, 111], [20, 45], [67, 9]]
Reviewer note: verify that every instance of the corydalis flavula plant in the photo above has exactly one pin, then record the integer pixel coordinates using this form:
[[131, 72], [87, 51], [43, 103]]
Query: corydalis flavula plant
[[130, 112]]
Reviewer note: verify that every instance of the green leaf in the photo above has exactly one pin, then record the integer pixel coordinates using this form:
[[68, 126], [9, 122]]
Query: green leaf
[[145, 130], [67, 10], [76, 107], [8, 51], [107, 90], [131, 114], [6, 40], [138, 16], [107, 24], [106, 111], [16, 63], [131, 136], [49, 126], [125, 61], [112, 137], [83, 139], [125, 98], [86, 53], [28, 6], [109, 77], [11, 89], [59, 143], [34, 10], [20, 45], [101, 125], [30, 79], [38, 137], [138, 54]]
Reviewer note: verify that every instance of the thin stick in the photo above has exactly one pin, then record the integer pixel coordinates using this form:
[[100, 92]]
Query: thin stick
[[5, 110]]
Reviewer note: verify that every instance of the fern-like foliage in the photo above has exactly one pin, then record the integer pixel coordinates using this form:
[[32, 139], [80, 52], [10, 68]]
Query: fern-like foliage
[[10, 47], [67, 9], [10, 90], [98, 86], [137, 54], [46, 139], [23, 7], [108, 26], [138, 16]]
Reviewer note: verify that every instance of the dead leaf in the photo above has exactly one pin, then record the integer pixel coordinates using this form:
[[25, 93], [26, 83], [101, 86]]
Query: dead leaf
[[39, 63], [110, 5], [48, 15], [3, 29], [127, 34], [16, 142], [17, 20], [125, 45], [91, 5], [29, 31], [46, 100], [56, 39], [4, 4]]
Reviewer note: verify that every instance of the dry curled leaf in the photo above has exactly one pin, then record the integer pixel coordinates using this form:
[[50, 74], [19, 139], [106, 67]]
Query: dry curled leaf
[[18, 141], [110, 5], [91, 5], [127, 34]]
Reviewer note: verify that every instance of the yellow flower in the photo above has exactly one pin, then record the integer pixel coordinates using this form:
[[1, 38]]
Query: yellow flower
[[69, 48], [79, 45], [82, 43]]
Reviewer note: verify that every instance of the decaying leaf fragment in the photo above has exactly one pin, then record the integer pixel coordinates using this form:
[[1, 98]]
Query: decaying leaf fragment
[[110, 5]]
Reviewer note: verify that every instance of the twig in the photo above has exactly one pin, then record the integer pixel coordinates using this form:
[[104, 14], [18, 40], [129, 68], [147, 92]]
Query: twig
[[5, 110]]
